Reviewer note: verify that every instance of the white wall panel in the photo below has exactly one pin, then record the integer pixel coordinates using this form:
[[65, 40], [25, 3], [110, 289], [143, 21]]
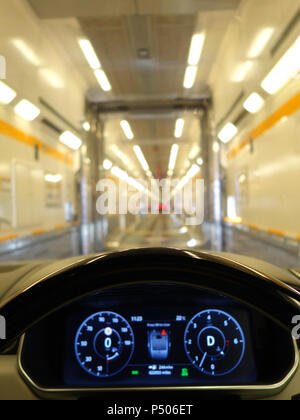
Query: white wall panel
[[252, 17], [274, 173], [28, 188], [269, 194], [64, 90], [38, 68]]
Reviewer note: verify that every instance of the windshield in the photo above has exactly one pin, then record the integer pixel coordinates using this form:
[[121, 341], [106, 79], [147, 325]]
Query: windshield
[[128, 124]]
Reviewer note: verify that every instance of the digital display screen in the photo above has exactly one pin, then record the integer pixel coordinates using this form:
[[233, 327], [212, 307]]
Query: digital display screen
[[153, 346]]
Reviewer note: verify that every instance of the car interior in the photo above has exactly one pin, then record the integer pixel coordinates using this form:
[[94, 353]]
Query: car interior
[[149, 203], [149, 320]]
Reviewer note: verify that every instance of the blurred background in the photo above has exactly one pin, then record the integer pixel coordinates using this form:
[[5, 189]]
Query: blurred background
[[131, 90]]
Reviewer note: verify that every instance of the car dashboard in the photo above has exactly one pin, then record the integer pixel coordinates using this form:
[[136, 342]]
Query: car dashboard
[[114, 324], [156, 336]]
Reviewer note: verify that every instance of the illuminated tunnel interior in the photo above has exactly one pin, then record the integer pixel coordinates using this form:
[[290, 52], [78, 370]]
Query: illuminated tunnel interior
[[149, 198], [149, 93]]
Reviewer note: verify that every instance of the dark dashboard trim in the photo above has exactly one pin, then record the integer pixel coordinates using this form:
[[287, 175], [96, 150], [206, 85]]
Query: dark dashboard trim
[[296, 273], [52, 287]]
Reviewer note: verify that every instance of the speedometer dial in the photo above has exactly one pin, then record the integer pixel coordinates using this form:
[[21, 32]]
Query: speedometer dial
[[214, 343], [104, 344]]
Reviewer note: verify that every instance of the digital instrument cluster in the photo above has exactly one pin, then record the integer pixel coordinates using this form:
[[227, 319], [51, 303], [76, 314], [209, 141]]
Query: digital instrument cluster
[[157, 345], [104, 344], [156, 335]]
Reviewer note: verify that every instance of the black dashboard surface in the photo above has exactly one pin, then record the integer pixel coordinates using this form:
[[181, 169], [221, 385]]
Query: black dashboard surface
[[151, 319]]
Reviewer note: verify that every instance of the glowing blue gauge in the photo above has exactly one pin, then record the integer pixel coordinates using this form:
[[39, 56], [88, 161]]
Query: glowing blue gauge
[[214, 343], [104, 344]]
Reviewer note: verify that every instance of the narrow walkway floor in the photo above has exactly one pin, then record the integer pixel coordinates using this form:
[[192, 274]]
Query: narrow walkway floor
[[157, 231]]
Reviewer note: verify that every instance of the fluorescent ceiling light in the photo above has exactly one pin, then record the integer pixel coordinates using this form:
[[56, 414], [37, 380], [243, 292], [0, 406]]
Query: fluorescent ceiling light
[[242, 71], [254, 103], [54, 179], [193, 171], [194, 152], [141, 158], [7, 95], [196, 49], [170, 173], [283, 120], [119, 173], [231, 207], [183, 230], [107, 164], [127, 130], [70, 140], [284, 70], [192, 243], [242, 178], [86, 126], [27, 110], [103, 80], [228, 132], [27, 52], [52, 78], [260, 42], [90, 54], [190, 77], [135, 184], [173, 157], [121, 156], [216, 147], [179, 128], [182, 183]]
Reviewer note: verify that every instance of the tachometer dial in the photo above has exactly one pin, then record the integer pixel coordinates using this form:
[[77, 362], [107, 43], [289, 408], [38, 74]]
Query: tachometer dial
[[104, 344], [214, 342]]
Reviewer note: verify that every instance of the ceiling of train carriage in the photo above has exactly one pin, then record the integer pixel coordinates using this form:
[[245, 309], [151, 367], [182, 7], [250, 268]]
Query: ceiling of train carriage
[[143, 47]]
